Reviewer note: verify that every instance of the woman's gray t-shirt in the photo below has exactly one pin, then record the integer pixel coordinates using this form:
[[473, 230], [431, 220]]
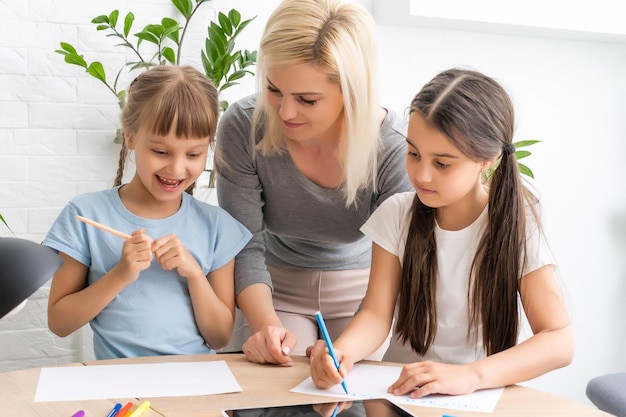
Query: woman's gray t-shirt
[[294, 222]]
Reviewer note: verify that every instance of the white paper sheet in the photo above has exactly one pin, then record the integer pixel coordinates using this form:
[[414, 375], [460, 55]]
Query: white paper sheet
[[172, 379], [372, 381]]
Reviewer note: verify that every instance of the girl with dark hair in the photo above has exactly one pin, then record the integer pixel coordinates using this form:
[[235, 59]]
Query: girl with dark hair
[[460, 258]]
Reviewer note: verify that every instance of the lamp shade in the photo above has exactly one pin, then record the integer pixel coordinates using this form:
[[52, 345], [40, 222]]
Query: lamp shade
[[24, 267]]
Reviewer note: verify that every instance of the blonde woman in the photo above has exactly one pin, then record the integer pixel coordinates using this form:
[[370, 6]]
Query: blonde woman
[[302, 165]]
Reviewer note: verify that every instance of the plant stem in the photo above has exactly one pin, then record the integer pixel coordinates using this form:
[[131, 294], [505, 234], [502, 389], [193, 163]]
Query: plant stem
[[182, 35], [128, 44]]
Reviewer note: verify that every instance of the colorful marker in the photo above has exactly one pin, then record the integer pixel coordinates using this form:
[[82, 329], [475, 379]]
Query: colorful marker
[[140, 409], [115, 409], [329, 345], [124, 410]]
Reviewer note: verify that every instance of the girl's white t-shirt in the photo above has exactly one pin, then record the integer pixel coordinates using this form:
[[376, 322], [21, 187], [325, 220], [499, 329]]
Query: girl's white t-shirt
[[454, 342]]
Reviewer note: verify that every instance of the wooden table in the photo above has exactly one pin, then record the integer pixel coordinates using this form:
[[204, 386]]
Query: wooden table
[[262, 385]]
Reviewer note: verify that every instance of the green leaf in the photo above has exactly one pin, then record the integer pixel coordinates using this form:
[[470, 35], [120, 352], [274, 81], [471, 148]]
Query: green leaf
[[5, 223], [236, 75], [156, 30], [113, 17], [117, 77], [235, 57], [522, 154], [102, 27], [67, 47], [217, 36], [171, 29], [226, 85], [100, 19], [227, 27], [76, 59], [247, 58], [96, 70], [121, 96], [184, 7], [125, 44], [128, 23], [523, 143], [206, 57], [168, 53], [235, 17], [241, 27], [139, 64], [525, 170], [206, 65], [168, 22], [146, 36]]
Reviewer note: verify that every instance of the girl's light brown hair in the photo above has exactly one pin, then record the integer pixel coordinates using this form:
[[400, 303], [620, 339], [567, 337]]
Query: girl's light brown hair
[[169, 97]]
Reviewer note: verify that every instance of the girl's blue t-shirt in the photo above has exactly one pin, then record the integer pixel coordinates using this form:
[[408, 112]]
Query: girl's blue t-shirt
[[153, 315]]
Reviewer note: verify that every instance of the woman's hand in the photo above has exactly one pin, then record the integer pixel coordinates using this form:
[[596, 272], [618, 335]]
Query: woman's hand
[[424, 378], [271, 344]]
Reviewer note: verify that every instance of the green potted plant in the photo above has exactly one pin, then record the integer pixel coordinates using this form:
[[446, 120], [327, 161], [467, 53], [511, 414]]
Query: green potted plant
[[221, 62]]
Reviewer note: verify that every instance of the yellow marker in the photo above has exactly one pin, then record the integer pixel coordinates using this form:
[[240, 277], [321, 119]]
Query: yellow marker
[[140, 409]]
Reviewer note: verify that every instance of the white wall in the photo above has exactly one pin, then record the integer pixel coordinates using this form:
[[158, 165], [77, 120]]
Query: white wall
[[57, 123], [571, 95]]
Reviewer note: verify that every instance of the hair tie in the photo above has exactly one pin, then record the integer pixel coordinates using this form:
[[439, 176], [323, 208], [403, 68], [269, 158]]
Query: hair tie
[[509, 149]]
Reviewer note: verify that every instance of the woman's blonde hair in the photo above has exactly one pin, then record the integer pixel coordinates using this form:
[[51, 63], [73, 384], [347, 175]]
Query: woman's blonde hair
[[339, 39], [169, 97]]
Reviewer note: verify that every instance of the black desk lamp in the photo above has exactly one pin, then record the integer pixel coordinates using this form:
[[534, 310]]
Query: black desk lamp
[[24, 267]]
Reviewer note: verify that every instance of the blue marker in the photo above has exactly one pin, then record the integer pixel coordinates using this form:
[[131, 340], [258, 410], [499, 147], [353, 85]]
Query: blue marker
[[329, 344], [115, 409]]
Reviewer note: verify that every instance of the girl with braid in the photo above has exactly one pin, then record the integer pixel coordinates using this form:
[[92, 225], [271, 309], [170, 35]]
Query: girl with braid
[[459, 259], [168, 288]]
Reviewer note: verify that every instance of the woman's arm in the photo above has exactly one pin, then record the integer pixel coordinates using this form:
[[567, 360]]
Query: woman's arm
[[270, 342], [240, 193]]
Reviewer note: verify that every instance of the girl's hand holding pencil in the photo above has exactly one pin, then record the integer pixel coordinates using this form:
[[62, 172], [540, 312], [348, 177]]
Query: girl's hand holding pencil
[[136, 253]]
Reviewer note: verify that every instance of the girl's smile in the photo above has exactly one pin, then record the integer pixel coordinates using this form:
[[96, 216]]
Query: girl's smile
[[169, 184], [165, 167]]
